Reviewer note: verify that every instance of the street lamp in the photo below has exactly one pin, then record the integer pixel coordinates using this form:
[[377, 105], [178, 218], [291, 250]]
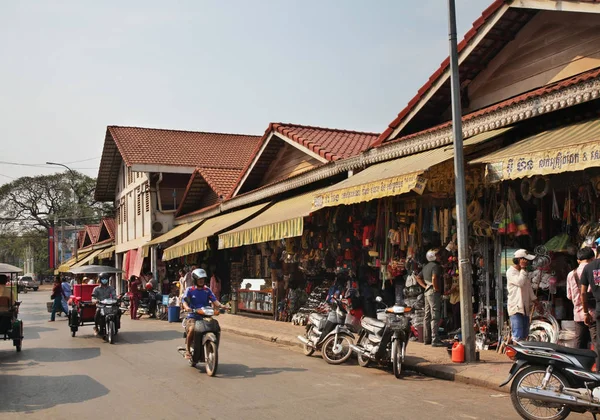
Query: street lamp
[[64, 166]]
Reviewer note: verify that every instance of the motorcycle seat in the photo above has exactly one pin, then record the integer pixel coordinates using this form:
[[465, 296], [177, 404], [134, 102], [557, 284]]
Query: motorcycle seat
[[373, 322], [561, 349]]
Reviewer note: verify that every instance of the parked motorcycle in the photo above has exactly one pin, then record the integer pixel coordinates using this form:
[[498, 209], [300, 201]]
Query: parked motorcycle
[[109, 309], [550, 381], [205, 347], [384, 340], [329, 334]]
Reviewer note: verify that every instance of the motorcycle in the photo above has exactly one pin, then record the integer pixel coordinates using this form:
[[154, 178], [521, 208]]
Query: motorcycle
[[384, 341], [205, 347], [551, 381], [109, 309], [329, 334]]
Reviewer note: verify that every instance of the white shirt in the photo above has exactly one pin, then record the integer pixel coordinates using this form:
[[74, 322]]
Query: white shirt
[[520, 293]]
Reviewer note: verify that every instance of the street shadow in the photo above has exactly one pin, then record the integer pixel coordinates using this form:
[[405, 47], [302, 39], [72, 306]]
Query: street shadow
[[33, 333], [144, 337], [22, 394], [237, 371], [47, 355]]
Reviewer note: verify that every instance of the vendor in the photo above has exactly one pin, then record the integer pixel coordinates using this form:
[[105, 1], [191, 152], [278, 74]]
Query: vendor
[[520, 294], [583, 332]]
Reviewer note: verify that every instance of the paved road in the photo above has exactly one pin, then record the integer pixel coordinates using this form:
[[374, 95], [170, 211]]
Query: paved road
[[142, 376]]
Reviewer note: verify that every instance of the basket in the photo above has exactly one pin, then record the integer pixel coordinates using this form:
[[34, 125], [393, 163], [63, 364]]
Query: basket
[[49, 306]]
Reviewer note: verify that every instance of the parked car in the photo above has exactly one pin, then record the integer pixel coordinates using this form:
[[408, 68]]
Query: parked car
[[28, 281]]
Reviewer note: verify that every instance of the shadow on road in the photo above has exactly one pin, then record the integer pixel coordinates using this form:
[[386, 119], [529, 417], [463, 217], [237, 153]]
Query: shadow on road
[[143, 337], [235, 371], [30, 393], [46, 355], [33, 333]]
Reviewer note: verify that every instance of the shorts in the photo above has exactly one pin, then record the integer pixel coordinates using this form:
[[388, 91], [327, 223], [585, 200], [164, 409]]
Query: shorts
[[189, 323]]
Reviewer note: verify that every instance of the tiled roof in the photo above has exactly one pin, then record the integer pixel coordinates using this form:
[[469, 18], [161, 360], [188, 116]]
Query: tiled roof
[[183, 148], [80, 237], [329, 143], [222, 181], [109, 222], [582, 77], [93, 232], [422, 92]]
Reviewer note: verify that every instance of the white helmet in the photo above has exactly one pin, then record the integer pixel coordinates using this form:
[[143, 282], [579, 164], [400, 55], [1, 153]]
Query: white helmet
[[431, 255], [198, 273]]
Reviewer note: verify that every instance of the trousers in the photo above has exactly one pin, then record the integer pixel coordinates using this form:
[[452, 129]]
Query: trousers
[[433, 304]]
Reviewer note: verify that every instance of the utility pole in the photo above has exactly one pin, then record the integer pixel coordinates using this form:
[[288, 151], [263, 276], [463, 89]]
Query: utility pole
[[465, 281]]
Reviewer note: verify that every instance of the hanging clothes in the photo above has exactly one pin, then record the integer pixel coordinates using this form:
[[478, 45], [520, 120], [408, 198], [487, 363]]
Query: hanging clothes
[[435, 222]]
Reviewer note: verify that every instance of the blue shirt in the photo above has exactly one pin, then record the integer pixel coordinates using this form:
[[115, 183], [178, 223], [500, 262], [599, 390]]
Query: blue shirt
[[198, 298]]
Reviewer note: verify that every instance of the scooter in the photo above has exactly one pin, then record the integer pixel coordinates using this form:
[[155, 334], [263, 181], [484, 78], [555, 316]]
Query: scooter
[[329, 334], [550, 381], [384, 340], [109, 309], [205, 346]]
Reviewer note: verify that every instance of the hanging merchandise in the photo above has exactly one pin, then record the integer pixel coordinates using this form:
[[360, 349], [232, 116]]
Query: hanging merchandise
[[474, 211], [446, 233], [526, 192], [435, 222], [555, 210], [511, 226], [500, 220], [518, 220], [540, 186]]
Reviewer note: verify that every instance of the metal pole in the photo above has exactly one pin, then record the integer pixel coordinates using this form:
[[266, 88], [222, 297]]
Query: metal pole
[[466, 286]]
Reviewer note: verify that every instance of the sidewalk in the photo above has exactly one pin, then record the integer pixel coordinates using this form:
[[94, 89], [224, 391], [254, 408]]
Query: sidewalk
[[491, 371]]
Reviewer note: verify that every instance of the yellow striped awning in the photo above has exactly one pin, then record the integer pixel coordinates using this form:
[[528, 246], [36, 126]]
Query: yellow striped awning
[[173, 233], [284, 219], [64, 267], [87, 259], [197, 240], [107, 253], [571, 148], [394, 177]]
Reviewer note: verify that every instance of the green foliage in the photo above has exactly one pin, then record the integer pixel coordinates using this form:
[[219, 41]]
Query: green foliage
[[13, 248], [36, 201]]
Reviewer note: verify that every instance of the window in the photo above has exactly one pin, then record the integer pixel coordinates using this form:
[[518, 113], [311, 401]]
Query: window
[[138, 200], [147, 193]]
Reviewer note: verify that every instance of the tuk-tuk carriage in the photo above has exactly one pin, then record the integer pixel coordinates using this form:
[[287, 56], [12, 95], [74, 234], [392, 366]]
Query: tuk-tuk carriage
[[11, 327]]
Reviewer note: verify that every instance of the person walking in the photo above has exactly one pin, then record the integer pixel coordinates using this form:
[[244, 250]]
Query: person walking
[[67, 292], [520, 294], [432, 280], [134, 296], [56, 296], [583, 333]]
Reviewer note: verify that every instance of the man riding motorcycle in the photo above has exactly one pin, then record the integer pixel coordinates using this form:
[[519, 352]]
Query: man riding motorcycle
[[196, 297], [101, 292]]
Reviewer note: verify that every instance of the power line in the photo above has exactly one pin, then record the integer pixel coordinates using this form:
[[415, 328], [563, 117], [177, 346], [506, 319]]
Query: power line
[[82, 160]]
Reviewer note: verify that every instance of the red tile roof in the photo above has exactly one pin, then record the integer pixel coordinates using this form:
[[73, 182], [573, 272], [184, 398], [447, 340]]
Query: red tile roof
[[109, 223], [183, 148], [222, 181], [329, 143], [582, 77], [487, 13], [80, 237]]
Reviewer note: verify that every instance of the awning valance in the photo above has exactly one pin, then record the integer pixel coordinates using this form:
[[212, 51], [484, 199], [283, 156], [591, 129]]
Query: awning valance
[[106, 254], [88, 259], [284, 219], [571, 148], [197, 240], [64, 267], [392, 178], [173, 233]]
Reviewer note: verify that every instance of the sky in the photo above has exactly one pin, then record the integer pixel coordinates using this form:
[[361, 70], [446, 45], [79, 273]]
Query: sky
[[70, 68]]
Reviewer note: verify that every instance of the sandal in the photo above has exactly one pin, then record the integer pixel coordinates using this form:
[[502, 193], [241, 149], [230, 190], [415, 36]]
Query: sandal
[[188, 355]]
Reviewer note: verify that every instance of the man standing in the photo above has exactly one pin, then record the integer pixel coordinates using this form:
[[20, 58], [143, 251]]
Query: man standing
[[590, 277], [431, 279], [520, 294], [583, 333]]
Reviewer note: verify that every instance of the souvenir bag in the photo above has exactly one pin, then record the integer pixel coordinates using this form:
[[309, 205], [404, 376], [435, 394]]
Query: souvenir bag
[[500, 220]]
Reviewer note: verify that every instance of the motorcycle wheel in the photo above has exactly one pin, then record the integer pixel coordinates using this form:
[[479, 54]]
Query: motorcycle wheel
[[337, 353], [363, 361], [396, 359], [308, 350], [212, 358], [110, 332], [537, 410]]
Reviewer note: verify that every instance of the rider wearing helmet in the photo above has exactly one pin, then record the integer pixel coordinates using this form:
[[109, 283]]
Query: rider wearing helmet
[[101, 292], [196, 297]]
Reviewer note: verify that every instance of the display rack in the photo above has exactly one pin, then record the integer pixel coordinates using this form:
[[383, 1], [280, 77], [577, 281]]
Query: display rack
[[253, 301]]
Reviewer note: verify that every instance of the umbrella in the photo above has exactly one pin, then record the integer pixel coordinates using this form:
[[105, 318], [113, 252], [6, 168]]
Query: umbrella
[[7, 268], [95, 269]]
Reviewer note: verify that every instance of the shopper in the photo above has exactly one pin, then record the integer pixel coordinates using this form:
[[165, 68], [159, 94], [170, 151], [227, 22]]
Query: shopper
[[520, 294], [134, 296], [583, 333], [215, 283], [590, 277], [431, 279], [56, 296]]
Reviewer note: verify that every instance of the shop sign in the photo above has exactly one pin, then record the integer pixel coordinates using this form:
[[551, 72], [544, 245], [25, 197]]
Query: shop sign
[[545, 163], [373, 190]]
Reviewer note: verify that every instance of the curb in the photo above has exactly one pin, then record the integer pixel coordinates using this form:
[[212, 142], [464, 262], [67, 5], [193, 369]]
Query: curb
[[439, 372]]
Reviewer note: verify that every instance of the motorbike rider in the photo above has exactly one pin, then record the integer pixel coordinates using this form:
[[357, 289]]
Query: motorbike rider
[[101, 292], [196, 297]]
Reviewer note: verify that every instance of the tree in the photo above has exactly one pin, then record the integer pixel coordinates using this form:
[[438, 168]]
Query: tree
[[13, 248], [36, 202]]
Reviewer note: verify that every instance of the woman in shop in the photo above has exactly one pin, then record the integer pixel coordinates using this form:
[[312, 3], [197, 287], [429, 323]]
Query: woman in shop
[[215, 283], [583, 332], [134, 295]]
